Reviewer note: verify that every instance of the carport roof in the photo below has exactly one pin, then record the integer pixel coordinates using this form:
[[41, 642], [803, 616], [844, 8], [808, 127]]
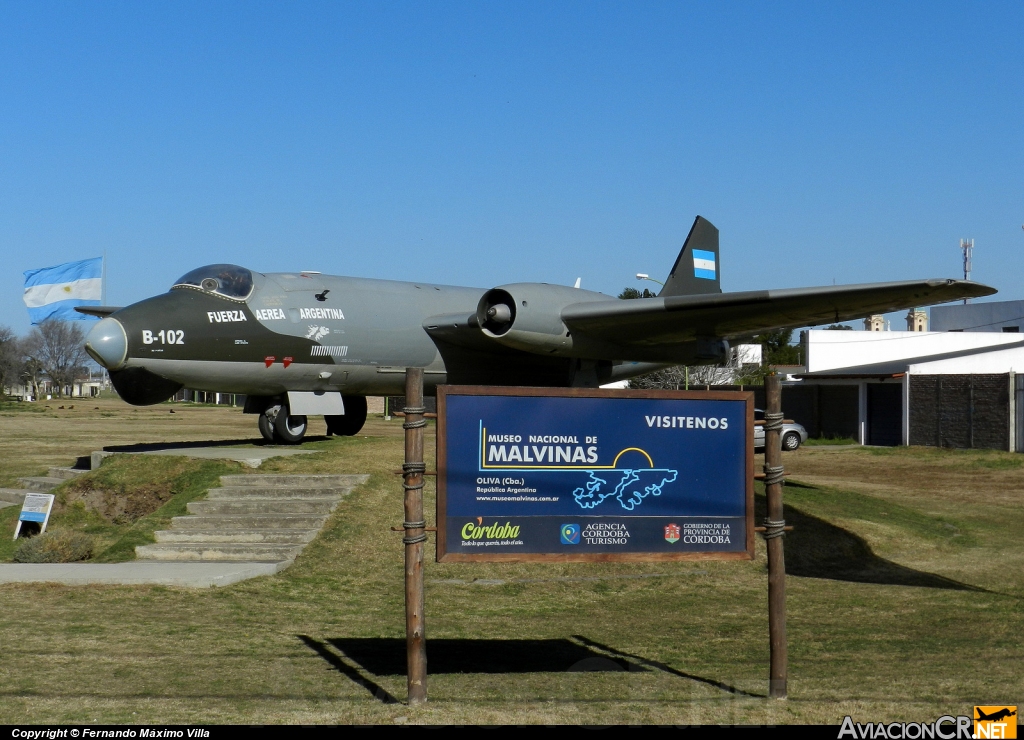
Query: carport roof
[[899, 368]]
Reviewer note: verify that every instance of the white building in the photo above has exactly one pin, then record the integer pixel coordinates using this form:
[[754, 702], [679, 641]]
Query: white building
[[957, 389]]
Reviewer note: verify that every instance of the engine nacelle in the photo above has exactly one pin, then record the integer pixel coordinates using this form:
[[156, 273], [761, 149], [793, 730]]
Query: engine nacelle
[[528, 316], [711, 350]]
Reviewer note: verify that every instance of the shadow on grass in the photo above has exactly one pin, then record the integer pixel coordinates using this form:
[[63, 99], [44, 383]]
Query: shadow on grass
[[350, 671], [357, 657], [637, 660], [386, 656], [152, 446], [818, 549]]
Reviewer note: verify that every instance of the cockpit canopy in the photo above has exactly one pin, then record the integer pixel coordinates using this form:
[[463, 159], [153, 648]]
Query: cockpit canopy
[[229, 281]]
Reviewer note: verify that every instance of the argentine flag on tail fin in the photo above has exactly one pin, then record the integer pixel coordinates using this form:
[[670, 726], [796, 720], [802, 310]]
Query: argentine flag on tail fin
[[704, 264], [53, 292]]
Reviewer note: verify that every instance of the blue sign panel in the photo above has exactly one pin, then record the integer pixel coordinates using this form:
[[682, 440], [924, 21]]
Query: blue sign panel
[[575, 474]]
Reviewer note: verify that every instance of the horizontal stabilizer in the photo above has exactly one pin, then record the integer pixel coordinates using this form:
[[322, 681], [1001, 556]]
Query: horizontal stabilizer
[[101, 311]]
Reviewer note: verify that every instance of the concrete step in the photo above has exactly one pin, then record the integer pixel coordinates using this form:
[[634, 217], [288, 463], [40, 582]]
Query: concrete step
[[346, 481], [248, 521], [41, 483], [13, 495], [66, 473], [5, 504], [236, 536], [251, 552], [266, 518], [256, 505], [282, 492]]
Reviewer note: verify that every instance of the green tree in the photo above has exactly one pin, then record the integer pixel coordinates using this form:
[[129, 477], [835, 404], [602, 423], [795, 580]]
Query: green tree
[[634, 293], [58, 348], [777, 347], [11, 358]]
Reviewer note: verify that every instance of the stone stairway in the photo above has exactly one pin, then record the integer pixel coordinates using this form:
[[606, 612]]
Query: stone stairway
[[267, 518], [39, 484]]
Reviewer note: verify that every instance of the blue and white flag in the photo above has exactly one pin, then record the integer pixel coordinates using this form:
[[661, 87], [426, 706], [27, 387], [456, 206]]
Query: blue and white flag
[[53, 292], [704, 264]]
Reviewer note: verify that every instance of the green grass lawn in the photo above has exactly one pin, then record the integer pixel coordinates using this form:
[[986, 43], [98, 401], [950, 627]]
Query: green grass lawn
[[903, 604], [818, 441]]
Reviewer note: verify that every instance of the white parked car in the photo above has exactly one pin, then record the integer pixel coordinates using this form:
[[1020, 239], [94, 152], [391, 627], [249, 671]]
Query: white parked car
[[793, 434]]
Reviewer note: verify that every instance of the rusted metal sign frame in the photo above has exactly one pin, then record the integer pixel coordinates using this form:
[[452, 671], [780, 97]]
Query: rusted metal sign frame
[[443, 555]]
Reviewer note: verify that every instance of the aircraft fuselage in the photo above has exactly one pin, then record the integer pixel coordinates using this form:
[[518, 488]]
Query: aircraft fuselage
[[296, 332]]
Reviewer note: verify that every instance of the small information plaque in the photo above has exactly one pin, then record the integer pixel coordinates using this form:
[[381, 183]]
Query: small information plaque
[[36, 508]]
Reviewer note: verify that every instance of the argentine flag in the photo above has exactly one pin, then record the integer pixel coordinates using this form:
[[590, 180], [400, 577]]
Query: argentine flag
[[704, 264], [53, 292]]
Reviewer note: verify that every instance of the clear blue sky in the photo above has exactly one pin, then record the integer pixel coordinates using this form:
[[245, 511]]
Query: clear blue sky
[[481, 143]]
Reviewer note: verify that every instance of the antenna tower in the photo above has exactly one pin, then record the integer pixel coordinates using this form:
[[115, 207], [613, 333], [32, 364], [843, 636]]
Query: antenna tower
[[967, 246]]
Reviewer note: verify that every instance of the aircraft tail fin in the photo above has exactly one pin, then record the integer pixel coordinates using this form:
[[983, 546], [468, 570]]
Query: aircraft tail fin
[[697, 269]]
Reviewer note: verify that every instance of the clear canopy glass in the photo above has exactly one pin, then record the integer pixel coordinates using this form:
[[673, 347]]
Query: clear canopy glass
[[230, 281]]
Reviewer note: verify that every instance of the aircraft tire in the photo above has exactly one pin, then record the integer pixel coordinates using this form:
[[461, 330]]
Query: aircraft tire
[[353, 419], [289, 429], [266, 428]]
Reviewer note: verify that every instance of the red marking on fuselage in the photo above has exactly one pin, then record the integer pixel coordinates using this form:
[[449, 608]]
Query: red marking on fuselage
[[268, 361], [287, 361]]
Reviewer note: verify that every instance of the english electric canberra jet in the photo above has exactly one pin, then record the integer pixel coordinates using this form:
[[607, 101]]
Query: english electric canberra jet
[[301, 344]]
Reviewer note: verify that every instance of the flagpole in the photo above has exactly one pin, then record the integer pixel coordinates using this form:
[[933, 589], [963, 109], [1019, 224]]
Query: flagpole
[[103, 280]]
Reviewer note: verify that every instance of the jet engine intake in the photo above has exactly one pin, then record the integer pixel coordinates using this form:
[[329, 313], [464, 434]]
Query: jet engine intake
[[496, 312], [528, 316]]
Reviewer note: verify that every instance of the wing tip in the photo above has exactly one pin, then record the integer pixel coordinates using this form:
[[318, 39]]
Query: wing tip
[[968, 288]]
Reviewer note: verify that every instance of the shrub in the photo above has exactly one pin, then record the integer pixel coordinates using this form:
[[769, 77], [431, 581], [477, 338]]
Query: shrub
[[61, 546]]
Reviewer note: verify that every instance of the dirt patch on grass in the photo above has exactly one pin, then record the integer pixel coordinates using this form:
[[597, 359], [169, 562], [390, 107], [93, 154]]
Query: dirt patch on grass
[[126, 488], [122, 504]]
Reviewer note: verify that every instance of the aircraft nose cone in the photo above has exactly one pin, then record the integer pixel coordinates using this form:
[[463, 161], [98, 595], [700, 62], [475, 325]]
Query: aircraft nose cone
[[108, 344]]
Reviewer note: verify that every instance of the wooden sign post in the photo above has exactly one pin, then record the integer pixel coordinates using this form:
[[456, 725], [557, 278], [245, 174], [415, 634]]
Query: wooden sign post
[[415, 536], [774, 529]]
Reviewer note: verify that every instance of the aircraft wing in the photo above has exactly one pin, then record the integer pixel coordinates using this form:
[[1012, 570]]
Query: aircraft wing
[[672, 319], [101, 311]]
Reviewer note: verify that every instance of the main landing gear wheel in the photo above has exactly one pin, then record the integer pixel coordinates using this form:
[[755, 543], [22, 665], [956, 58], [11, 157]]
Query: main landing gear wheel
[[791, 441], [289, 429], [353, 419], [266, 427]]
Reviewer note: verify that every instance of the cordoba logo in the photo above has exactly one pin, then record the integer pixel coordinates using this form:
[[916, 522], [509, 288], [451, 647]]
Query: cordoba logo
[[997, 721], [496, 531]]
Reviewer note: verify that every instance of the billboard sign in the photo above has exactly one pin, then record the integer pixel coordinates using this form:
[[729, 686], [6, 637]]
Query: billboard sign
[[573, 474]]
